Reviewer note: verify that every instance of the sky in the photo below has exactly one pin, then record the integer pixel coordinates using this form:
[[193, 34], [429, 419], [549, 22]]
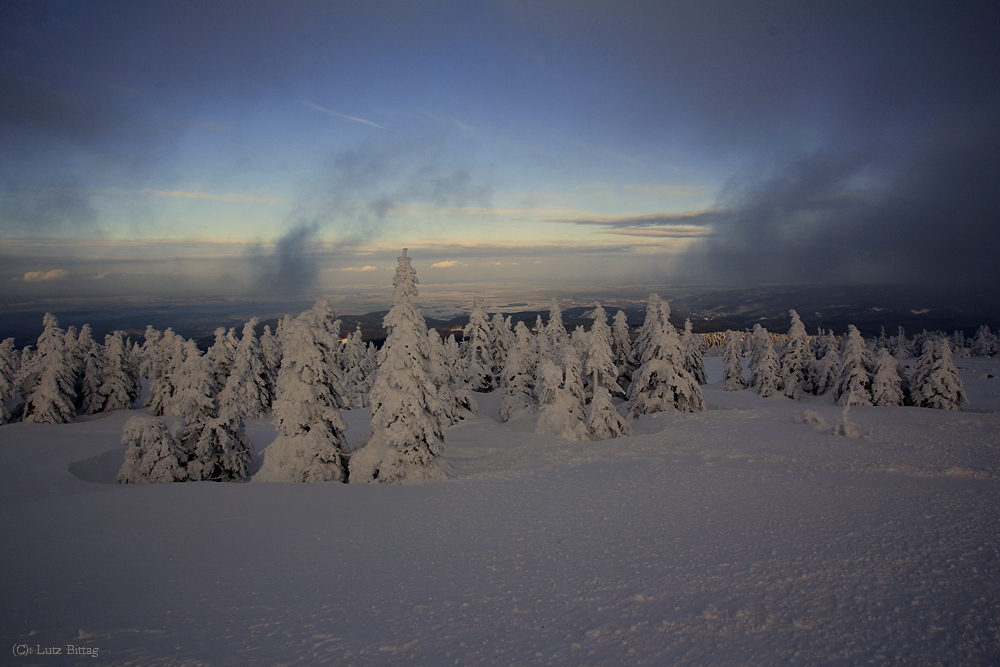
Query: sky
[[234, 148]]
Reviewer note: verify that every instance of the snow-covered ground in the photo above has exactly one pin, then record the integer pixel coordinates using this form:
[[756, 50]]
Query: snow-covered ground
[[740, 535]]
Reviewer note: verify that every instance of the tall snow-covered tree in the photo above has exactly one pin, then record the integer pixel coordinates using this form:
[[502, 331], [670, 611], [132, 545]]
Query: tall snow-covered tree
[[985, 343], [621, 343], [91, 371], [694, 362], [119, 389], [246, 390], [479, 356], [765, 369], [935, 382], [310, 446], [153, 455], [270, 348], [796, 360], [901, 346], [407, 440], [854, 387], [10, 360], [826, 370], [732, 363], [166, 354], [220, 356], [887, 385], [599, 360], [359, 372], [51, 397], [661, 383], [561, 396], [456, 402], [556, 337], [518, 375], [501, 340]]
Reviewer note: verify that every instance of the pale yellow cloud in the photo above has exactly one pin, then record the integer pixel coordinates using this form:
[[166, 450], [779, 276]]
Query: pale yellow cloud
[[38, 276], [366, 267], [443, 265]]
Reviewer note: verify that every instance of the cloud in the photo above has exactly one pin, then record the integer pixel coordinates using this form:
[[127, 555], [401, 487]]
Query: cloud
[[672, 232], [367, 267], [668, 191], [343, 115], [228, 198], [686, 218], [39, 276], [291, 268], [444, 265]]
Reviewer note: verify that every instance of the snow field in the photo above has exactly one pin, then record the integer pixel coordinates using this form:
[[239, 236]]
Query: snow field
[[739, 535]]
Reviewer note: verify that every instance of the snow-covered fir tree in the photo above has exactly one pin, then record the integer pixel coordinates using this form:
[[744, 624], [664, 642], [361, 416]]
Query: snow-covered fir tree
[[649, 324], [270, 349], [603, 420], [479, 356], [518, 375], [887, 385], [935, 382], [765, 369], [501, 340], [561, 397], [796, 360], [247, 390], [985, 343], [901, 346], [826, 370], [51, 396], [407, 438], [661, 383], [221, 354], [310, 446], [456, 402], [854, 387], [732, 364], [556, 337], [692, 345], [621, 344], [153, 455], [599, 361], [90, 364], [161, 362], [119, 388], [359, 371], [10, 360]]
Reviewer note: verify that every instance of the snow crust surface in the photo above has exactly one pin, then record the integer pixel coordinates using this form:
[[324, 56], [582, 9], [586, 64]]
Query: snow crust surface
[[745, 534]]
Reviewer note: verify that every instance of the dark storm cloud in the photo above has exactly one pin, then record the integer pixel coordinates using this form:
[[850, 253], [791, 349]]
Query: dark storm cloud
[[848, 217], [292, 268], [696, 218]]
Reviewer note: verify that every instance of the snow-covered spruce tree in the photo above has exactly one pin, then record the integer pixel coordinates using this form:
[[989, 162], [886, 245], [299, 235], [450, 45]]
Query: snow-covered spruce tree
[[270, 349], [765, 369], [407, 436], [518, 375], [310, 446], [359, 373], [222, 353], [985, 343], [901, 346], [10, 360], [119, 388], [854, 387], [153, 455], [661, 383], [732, 366], [599, 361], [246, 389], [561, 396], [51, 397], [935, 382], [479, 356], [162, 361], [603, 420], [90, 358], [826, 370], [501, 340], [621, 344], [692, 345], [556, 337], [887, 385], [456, 402], [642, 341], [796, 361]]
